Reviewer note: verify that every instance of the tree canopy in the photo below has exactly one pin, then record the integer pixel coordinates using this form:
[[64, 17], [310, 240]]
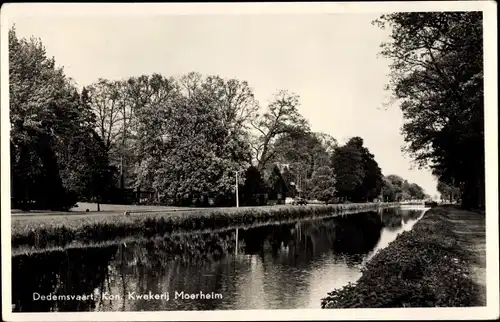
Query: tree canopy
[[396, 188], [448, 192], [181, 139], [437, 79], [358, 176], [50, 123]]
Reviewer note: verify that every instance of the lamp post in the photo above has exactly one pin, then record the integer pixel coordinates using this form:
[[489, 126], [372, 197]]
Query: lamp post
[[237, 206], [237, 197]]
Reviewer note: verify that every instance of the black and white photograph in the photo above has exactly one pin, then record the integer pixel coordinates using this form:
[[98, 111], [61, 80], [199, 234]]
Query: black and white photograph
[[252, 161]]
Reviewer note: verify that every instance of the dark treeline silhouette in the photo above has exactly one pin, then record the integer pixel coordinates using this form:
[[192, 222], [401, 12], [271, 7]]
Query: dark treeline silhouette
[[437, 77]]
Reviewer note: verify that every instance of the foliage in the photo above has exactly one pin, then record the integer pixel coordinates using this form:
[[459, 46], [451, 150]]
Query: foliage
[[357, 174], [396, 188], [289, 179], [303, 153], [49, 121], [323, 184], [281, 118], [182, 138], [95, 180], [389, 190], [448, 192], [372, 183], [347, 162], [327, 141], [106, 99], [424, 267], [437, 77], [416, 192], [254, 187], [179, 139], [277, 185]]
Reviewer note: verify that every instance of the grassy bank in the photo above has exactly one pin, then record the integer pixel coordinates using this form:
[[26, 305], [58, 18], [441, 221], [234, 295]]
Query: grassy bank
[[429, 266], [61, 231], [30, 250]]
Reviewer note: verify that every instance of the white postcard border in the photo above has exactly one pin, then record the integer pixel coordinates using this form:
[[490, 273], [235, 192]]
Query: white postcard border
[[491, 157]]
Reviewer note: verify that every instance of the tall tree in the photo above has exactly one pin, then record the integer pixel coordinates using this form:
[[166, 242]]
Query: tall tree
[[34, 82], [254, 186], [437, 78], [323, 184], [347, 162], [276, 183], [358, 176], [48, 119], [282, 117], [150, 102], [396, 187], [372, 183], [106, 99], [189, 147], [85, 167], [39, 92], [388, 191], [304, 152]]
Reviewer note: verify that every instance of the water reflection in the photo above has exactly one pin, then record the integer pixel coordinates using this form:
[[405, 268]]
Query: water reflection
[[75, 271], [394, 224], [290, 265]]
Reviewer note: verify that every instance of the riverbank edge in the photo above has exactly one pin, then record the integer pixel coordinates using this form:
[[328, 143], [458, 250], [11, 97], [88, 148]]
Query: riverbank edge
[[26, 250], [35, 234], [429, 266]]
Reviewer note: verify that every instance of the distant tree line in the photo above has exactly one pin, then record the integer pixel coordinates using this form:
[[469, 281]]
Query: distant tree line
[[396, 188], [449, 193], [166, 140], [437, 79]]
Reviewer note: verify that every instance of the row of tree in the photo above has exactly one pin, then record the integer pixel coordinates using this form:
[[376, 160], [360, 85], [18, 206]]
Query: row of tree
[[437, 79], [182, 140], [448, 193], [396, 188]]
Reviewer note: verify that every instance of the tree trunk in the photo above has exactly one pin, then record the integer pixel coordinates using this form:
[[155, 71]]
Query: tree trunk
[[122, 180]]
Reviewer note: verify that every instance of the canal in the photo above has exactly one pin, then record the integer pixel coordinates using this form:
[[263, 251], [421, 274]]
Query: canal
[[276, 266]]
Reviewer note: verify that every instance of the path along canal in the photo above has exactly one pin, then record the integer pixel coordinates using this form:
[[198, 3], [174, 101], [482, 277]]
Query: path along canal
[[279, 266]]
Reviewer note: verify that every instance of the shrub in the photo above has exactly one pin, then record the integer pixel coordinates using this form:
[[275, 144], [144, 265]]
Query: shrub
[[425, 267]]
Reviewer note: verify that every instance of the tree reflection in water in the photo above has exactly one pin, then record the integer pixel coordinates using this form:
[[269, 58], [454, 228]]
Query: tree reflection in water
[[77, 271], [277, 266]]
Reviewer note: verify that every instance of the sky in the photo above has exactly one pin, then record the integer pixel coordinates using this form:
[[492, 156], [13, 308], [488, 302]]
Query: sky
[[329, 60]]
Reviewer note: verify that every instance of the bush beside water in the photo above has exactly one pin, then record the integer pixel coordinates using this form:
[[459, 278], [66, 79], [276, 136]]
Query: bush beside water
[[48, 232], [424, 267]]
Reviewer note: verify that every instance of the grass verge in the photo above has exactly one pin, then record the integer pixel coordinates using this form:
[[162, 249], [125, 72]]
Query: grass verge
[[50, 232], [429, 266]]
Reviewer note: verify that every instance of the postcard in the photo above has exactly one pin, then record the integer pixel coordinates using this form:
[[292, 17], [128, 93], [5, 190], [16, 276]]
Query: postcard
[[249, 161]]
